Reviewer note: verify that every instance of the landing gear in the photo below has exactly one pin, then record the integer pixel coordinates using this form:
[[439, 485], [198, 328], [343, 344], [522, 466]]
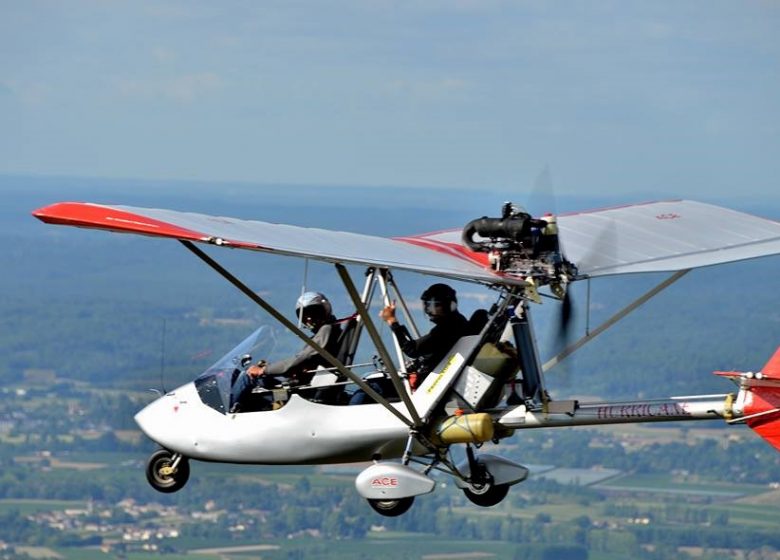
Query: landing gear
[[486, 479], [390, 488], [391, 508], [167, 471], [486, 494]]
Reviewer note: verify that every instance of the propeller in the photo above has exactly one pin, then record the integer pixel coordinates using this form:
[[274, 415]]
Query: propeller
[[542, 199], [563, 320], [601, 252], [565, 316]]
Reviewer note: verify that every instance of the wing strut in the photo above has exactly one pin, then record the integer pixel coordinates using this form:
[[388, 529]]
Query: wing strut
[[368, 324], [571, 348], [296, 331], [389, 281], [385, 280]]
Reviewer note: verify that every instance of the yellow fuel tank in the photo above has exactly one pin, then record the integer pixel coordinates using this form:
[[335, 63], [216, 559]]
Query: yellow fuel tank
[[466, 428]]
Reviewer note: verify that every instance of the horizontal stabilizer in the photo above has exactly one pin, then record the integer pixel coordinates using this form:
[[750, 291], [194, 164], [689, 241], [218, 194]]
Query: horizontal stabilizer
[[769, 376]]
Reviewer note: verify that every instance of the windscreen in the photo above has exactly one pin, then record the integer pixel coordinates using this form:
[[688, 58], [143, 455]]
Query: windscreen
[[214, 384]]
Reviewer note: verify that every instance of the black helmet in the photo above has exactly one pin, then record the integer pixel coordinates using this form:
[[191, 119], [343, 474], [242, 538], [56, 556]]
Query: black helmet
[[439, 300], [313, 308]]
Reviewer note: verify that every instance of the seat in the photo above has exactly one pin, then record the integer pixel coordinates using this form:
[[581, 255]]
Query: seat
[[345, 353], [477, 321]]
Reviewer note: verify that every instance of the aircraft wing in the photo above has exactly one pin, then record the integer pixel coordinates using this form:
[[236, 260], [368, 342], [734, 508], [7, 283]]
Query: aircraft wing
[[319, 244], [654, 237], [651, 237], [664, 236]]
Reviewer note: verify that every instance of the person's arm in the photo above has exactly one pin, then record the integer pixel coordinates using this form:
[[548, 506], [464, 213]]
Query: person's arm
[[436, 342], [297, 362], [409, 345], [405, 341]]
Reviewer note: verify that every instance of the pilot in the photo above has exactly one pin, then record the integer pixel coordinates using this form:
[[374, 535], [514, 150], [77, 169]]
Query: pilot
[[315, 312], [440, 304]]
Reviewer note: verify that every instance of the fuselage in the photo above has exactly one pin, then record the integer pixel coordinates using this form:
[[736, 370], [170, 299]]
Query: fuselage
[[300, 432]]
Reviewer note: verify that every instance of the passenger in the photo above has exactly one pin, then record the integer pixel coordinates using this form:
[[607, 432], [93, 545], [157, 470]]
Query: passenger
[[440, 304], [316, 314]]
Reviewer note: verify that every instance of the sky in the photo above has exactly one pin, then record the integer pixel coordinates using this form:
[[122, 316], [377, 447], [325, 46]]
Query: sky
[[664, 98]]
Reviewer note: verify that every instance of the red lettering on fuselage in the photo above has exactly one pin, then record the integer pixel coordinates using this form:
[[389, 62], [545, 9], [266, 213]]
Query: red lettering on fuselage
[[384, 482]]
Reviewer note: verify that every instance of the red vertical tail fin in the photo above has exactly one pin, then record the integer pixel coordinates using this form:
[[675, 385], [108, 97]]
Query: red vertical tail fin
[[762, 412], [762, 402], [772, 368]]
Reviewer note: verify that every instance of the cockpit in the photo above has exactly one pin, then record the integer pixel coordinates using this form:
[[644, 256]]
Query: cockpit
[[214, 384], [327, 386]]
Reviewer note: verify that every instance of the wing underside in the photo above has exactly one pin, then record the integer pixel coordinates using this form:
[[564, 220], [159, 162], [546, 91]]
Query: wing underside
[[652, 237], [318, 244]]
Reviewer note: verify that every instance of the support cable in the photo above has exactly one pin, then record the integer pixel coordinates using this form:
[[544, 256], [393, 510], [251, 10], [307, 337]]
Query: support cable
[[614, 319]]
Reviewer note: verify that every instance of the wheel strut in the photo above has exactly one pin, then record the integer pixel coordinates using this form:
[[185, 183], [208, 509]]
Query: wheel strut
[[168, 470]]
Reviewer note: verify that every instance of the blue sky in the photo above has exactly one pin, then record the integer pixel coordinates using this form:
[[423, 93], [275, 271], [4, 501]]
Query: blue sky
[[617, 98]]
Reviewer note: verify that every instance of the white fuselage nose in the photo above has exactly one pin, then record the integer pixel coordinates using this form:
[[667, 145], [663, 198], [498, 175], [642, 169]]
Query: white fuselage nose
[[299, 432]]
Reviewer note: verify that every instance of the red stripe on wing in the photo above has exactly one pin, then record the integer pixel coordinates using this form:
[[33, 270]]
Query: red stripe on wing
[[453, 249], [82, 214]]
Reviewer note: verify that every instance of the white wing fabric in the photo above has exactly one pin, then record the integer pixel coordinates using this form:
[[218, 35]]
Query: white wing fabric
[[654, 237], [664, 236], [319, 244], [651, 237]]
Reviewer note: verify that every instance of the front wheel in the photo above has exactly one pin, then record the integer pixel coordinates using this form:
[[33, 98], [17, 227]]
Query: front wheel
[[487, 495], [167, 472], [391, 508]]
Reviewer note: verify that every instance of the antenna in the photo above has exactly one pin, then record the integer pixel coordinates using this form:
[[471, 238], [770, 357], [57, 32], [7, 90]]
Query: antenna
[[303, 288], [162, 356]]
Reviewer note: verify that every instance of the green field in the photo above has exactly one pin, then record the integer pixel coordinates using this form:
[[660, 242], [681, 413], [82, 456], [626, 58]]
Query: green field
[[26, 507], [673, 484]]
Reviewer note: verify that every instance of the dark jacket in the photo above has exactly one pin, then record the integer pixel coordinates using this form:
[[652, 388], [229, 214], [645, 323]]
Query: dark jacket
[[431, 348]]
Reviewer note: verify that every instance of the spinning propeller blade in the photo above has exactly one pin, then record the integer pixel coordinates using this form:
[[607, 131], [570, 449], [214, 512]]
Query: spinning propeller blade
[[541, 201]]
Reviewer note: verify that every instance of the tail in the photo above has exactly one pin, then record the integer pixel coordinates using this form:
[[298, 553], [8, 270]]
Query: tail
[[759, 397]]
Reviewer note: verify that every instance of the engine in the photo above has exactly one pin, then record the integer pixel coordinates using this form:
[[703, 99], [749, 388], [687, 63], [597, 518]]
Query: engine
[[518, 243]]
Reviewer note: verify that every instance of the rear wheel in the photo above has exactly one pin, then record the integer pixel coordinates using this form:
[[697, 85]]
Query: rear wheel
[[391, 508], [487, 495], [166, 471]]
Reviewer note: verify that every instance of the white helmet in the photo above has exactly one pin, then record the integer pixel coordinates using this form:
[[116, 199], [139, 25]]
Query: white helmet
[[313, 304]]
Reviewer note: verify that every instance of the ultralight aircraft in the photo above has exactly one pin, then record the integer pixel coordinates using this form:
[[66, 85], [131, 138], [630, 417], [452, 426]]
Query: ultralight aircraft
[[489, 385]]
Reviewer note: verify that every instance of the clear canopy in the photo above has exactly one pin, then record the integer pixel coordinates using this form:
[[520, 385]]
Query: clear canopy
[[214, 384]]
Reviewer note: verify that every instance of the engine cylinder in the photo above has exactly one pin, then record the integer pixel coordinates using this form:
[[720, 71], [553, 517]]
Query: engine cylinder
[[511, 228]]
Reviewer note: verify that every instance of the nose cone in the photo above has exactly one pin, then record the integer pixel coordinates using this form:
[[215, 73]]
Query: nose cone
[[165, 420], [154, 419]]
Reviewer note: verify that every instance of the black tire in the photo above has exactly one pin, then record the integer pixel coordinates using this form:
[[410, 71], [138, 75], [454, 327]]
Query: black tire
[[487, 495], [166, 483], [391, 508]]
